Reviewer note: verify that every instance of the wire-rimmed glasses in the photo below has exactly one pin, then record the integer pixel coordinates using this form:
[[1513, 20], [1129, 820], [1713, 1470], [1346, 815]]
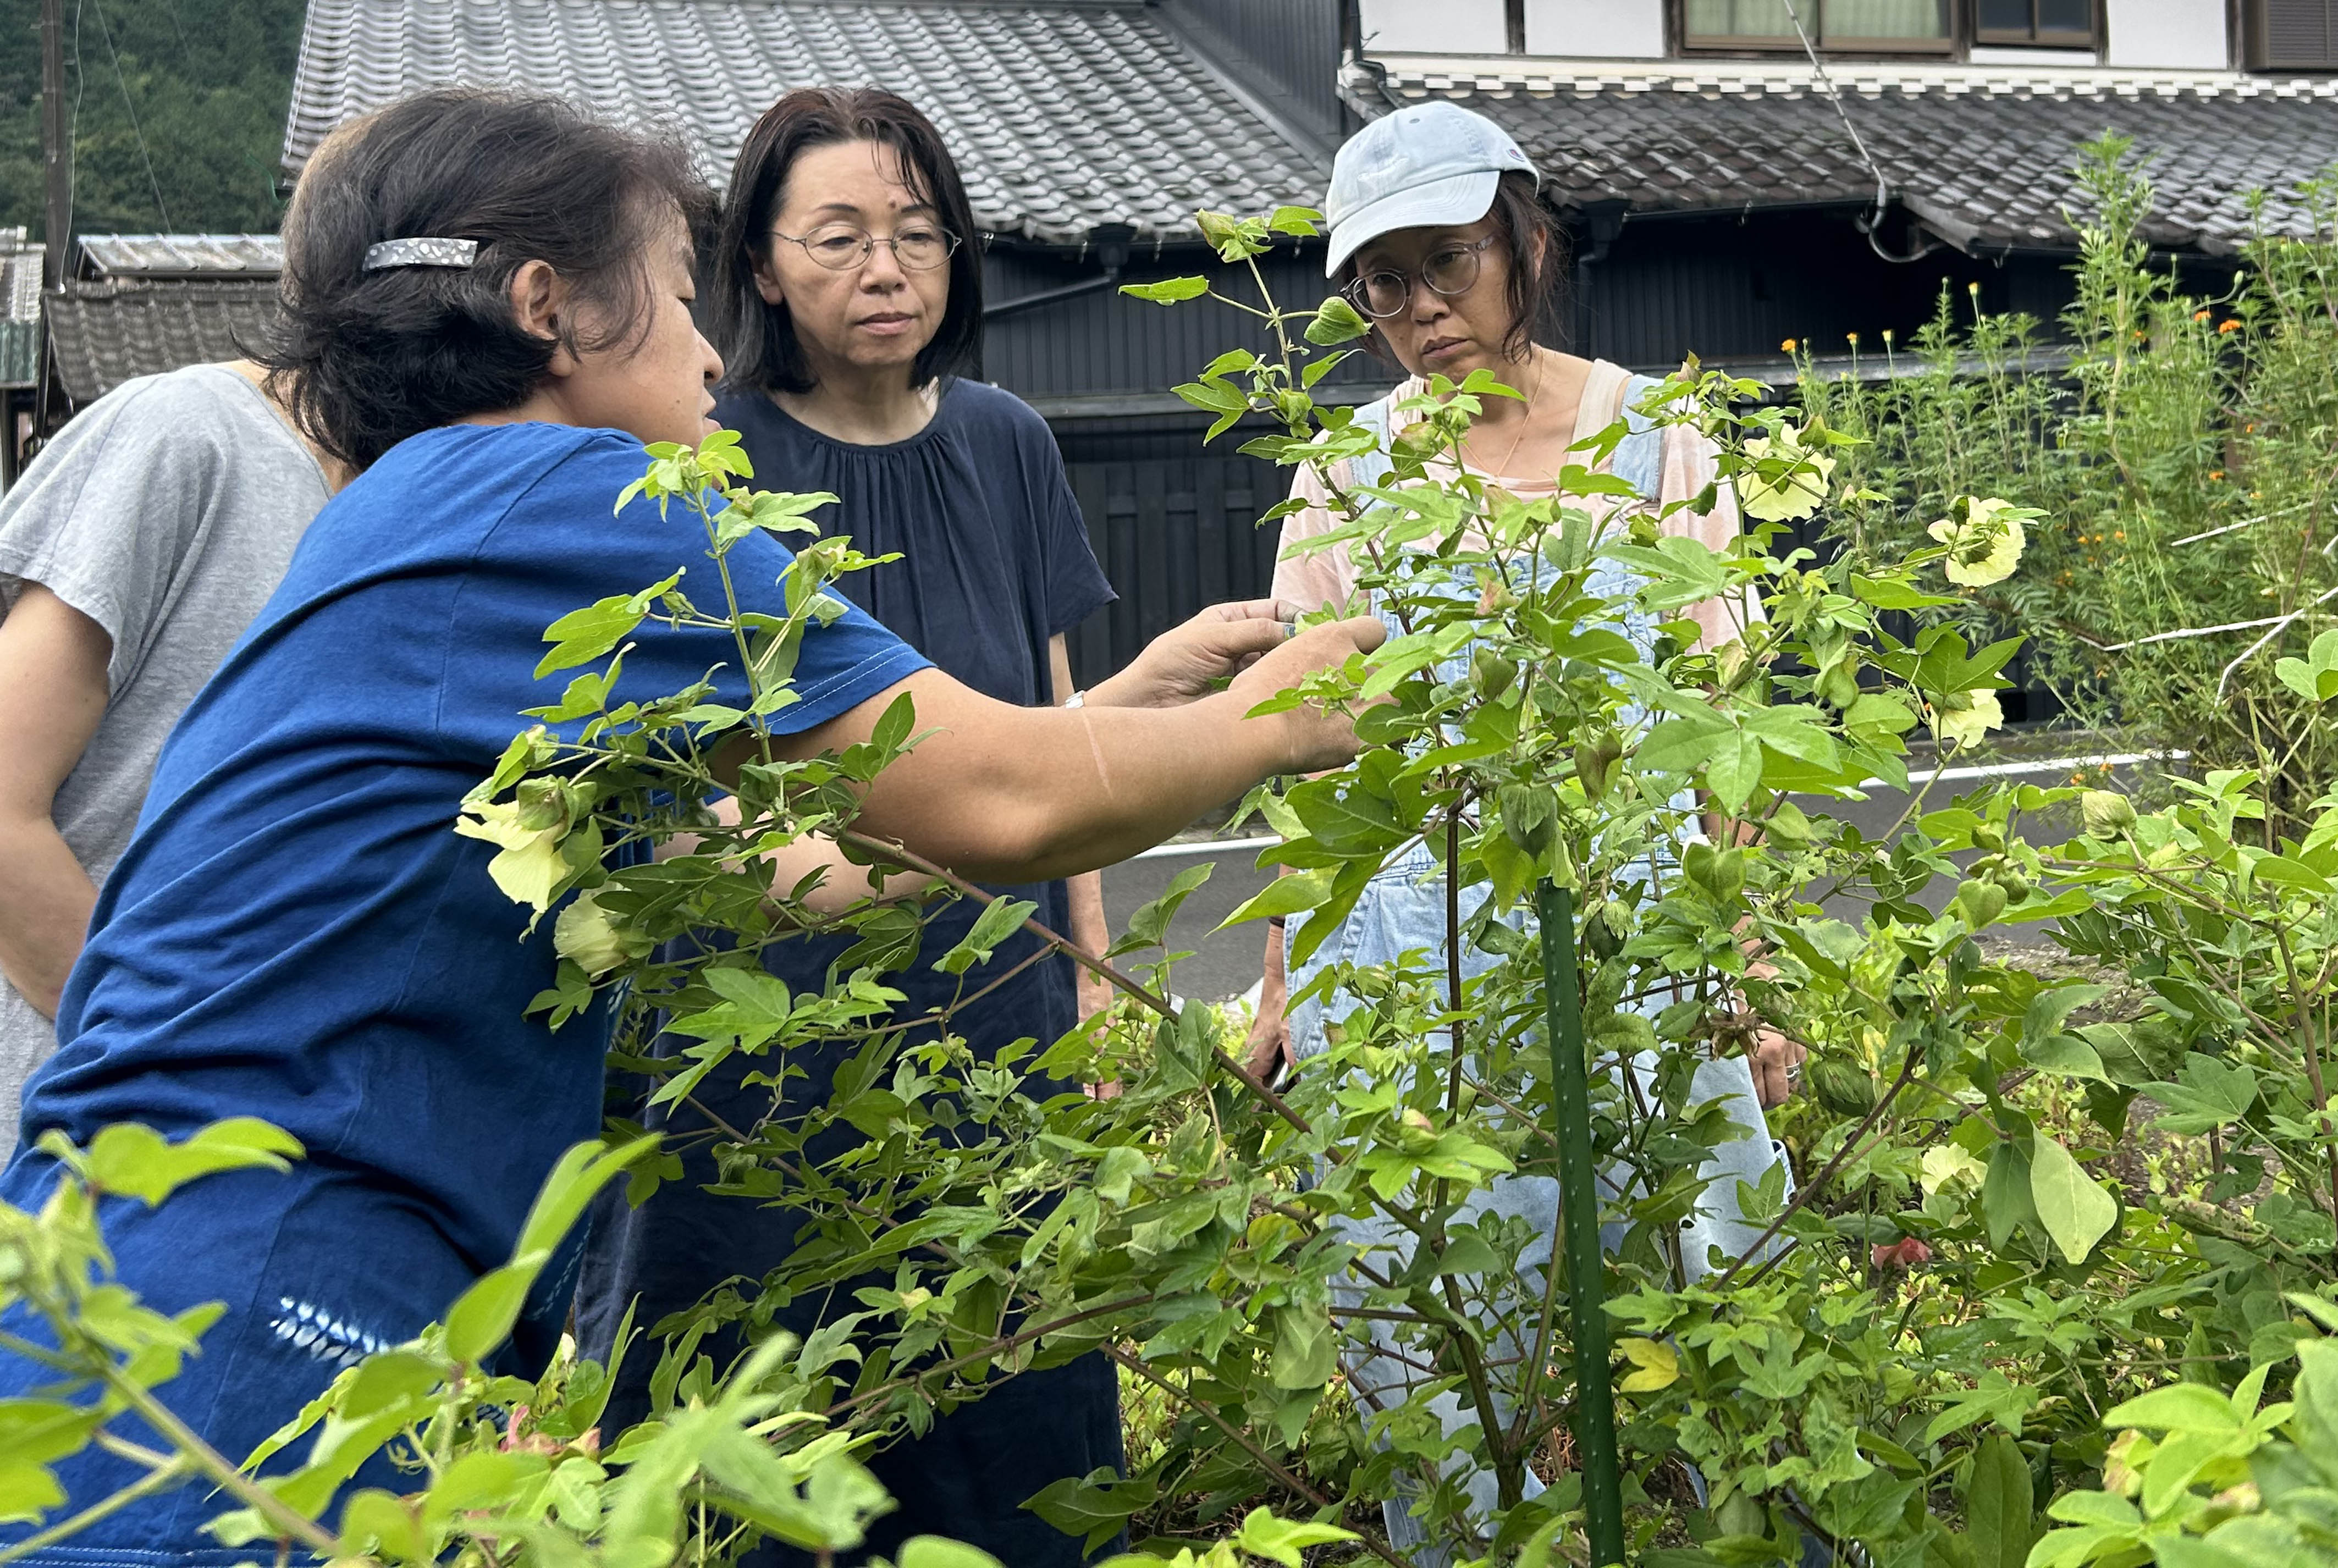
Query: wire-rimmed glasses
[[1450, 270], [841, 247]]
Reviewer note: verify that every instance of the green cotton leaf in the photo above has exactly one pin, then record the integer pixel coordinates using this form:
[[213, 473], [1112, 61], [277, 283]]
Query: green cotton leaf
[[582, 635], [893, 729], [2066, 1056], [576, 1178], [1313, 371], [1000, 919], [937, 1551], [2288, 871], [2001, 1506], [1302, 222], [482, 1317], [1097, 1505], [2005, 1200], [2179, 1407], [1182, 1047], [1284, 1541], [1682, 745], [1291, 895], [2071, 1205], [1996, 1398], [2207, 1093], [135, 1161], [1168, 291], [27, 1491], [1894, 594], [1734, 771], [1306, 1346], [1149, 926]]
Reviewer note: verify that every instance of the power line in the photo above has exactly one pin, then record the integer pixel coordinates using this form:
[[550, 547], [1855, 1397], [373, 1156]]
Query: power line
[[131, 110]]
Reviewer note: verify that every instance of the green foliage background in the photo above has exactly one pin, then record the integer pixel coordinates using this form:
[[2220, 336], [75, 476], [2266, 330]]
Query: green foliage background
[[207, 82]]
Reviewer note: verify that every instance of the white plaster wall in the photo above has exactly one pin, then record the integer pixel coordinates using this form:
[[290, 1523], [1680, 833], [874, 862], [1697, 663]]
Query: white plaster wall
[[1433, 26], [2187, 34], [1596, 29]]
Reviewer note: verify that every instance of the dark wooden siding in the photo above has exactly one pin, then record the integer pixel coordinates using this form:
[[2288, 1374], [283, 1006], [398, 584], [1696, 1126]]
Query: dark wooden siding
[[1105, 342], [1175, 524]]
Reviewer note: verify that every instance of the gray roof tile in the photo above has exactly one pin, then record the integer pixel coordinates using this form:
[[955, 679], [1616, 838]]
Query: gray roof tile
[[102, 333], [181, 255], [1063, 114], [1984, 157]]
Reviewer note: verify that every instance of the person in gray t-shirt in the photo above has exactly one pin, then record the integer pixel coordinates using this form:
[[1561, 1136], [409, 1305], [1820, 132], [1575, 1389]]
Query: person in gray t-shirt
[[133, 552]]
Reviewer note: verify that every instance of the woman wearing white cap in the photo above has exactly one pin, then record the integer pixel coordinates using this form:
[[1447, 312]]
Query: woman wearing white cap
[[1438, 236]]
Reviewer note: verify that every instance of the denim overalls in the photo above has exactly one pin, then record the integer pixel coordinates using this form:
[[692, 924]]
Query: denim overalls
[[1403, 910]]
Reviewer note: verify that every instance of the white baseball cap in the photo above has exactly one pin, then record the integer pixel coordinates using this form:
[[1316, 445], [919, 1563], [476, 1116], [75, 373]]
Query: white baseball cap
[[1427, 166]]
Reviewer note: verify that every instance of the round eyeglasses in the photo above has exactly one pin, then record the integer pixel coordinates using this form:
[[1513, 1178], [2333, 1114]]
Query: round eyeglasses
[[840, 246], [1450, 270]]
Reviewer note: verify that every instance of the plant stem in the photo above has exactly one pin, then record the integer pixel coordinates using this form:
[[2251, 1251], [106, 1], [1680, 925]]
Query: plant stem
[[173, 1471], [289, 1522], [1595, 1394]]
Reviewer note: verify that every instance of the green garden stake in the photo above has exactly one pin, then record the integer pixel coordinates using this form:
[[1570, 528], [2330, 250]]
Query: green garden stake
[[1578, 1200]]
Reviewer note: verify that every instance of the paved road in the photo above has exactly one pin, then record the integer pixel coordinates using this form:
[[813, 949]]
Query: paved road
[[1226, 964]]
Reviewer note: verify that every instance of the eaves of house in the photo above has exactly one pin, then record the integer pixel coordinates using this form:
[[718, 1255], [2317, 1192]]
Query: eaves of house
[[1980, 155]]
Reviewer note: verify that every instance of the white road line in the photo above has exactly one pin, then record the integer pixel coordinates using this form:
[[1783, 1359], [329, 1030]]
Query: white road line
[[1946, 775]]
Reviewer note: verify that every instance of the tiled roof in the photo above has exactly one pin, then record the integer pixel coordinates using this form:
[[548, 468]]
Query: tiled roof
[[1981, 154], [181, 255], [1064, 114], [102, 333]]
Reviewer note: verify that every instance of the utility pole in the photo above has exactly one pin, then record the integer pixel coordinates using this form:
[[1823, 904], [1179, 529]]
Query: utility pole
[[56, 144]]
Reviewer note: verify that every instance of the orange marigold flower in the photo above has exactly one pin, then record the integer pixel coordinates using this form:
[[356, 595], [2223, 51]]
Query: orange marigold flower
[[2228, 325], [2216, 474], [2120, 535], [2200, 314], [1788, 346]]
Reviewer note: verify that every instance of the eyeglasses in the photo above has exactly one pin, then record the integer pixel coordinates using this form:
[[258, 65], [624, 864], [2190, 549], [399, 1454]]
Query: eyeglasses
[[840, 246], [1450, 270]]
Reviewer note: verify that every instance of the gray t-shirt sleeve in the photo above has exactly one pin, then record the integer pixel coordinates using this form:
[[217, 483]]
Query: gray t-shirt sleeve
[[107, 515]]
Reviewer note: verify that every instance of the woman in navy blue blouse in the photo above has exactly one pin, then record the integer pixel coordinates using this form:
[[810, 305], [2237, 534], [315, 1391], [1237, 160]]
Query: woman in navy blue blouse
[[848, 297]]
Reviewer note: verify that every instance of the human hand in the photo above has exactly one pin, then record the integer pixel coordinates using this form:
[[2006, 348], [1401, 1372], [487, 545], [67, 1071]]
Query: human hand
[[1315, 741], [1187, 661], [1777, 1064], [1270, 1035]]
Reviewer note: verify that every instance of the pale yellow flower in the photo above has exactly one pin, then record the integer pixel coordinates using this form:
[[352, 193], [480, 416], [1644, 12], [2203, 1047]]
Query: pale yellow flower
[[528, 864], [1965, 726], [586, 933], [1793, 494], [1986, 547], [1948, 1165]]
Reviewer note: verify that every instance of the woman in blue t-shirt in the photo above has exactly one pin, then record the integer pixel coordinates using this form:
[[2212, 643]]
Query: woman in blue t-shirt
[[847, 296], [487, 311]]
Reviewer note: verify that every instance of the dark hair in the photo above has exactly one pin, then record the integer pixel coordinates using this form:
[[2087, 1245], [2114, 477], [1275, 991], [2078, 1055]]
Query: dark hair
[[1536, 247], [365, 359], [757, 339]]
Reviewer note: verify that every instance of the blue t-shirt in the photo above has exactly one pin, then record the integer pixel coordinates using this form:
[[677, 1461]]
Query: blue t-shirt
[[296, 932]]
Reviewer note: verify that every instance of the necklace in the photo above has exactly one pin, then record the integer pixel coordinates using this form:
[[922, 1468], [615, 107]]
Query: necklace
[[1526, 423]]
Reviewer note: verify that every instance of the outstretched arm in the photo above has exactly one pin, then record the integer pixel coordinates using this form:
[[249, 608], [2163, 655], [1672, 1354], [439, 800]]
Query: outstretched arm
[[1000, 793], [52, 693]]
